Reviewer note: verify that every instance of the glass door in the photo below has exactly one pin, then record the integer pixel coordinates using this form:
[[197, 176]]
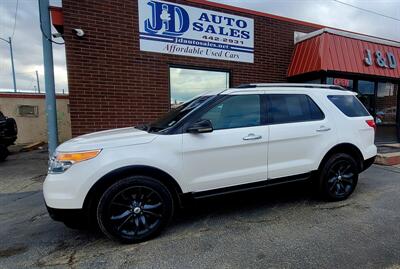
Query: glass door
[[386, 112], [366, 94]]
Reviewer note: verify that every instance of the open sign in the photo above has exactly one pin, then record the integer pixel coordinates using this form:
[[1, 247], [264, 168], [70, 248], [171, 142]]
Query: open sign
[[341, 82]]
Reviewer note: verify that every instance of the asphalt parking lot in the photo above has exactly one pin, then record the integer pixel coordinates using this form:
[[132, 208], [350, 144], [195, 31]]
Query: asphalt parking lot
[[283, 227]]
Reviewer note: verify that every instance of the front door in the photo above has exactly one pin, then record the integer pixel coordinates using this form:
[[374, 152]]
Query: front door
[[235, 152]]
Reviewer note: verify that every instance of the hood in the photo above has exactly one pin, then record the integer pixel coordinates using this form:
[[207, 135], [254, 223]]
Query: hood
[[108, 139]]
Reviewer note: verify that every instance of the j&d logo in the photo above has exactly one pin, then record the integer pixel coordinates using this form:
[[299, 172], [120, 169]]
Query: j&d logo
[[167, 19]]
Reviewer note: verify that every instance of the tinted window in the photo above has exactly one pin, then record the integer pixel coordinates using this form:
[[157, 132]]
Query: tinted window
[[286, 108], [235, 112], [349, 105]]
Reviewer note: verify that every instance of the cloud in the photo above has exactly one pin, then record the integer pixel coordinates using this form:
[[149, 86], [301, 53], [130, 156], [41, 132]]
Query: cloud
[[333, 14], [27, 46], [182, 88]]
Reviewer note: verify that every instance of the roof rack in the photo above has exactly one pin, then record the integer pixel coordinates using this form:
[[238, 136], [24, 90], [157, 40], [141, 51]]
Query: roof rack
[[291, 85]]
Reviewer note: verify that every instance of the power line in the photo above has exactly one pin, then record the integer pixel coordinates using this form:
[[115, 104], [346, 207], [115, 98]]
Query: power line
[[15, 18], [366, 10]]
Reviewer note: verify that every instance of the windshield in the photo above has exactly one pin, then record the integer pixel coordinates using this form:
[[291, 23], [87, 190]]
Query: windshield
[[175, 115]]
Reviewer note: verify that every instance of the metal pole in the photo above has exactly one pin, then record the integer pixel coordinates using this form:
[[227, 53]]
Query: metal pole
[[51, 111], [37, 81], [12, 64]]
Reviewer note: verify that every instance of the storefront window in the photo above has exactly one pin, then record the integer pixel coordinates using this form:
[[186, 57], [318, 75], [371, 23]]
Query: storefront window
[[366, 94], [344, 82], [188, 83], [386, 103], [314, 81]]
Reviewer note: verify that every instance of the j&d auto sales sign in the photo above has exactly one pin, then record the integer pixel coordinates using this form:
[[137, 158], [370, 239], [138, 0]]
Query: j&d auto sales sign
[[182, 30]]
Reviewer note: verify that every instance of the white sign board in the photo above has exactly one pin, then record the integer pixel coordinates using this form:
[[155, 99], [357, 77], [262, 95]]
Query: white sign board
[[183, 30]]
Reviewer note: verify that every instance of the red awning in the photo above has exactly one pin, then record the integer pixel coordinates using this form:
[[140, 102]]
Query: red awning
[[332, 51]]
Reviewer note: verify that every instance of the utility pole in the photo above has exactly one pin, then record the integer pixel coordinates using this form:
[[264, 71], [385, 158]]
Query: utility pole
[[12, 64], [12, 61], [37, 81], [51, 108]]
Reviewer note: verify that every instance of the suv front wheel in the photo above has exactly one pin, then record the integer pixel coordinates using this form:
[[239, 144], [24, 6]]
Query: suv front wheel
[[338, 177], [135, 209]]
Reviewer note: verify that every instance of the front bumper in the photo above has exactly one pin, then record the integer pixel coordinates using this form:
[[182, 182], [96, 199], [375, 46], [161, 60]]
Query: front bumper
[[8, 140], [68, 190]]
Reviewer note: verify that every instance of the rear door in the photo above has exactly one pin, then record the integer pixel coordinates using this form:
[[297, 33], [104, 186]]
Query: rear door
[[235, 152], [298, 131]]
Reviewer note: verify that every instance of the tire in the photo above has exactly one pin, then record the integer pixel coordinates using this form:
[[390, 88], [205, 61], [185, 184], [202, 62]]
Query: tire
[[3, 153], [338, 177], [135, 209], [11, 127]]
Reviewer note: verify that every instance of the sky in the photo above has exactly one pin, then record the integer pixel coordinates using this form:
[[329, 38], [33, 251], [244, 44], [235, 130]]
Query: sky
[[28, 43], [183, 88]]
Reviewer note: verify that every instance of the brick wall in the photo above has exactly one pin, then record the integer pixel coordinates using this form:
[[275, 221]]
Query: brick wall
[[113, 84]]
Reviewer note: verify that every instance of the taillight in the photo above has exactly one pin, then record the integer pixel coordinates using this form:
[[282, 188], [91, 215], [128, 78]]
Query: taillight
[[371, 123]]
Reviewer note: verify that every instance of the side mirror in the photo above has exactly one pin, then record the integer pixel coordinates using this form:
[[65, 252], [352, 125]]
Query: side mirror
[[201, 127]]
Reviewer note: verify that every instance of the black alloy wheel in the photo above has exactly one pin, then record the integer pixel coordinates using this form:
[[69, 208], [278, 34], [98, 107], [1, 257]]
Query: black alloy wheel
[[339, 177], [135, 209]]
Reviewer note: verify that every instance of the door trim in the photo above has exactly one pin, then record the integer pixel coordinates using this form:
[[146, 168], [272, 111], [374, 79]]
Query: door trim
[[252, 186]]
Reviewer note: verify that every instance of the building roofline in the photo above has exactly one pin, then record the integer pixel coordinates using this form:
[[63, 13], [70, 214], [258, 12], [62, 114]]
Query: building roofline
[[30, 95], [348, 34]]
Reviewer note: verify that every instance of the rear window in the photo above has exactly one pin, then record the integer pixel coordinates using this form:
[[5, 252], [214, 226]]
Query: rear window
[[349, 105]]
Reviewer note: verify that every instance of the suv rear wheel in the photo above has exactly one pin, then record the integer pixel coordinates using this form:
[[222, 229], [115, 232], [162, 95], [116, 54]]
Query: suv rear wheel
[[135, 209], [338, 177]]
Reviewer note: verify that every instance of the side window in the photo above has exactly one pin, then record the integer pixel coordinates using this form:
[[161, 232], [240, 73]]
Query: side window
[[349, 105], [287, 108], [235, 112]]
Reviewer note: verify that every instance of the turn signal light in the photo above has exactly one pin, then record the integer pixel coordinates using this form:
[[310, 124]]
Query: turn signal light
[[371, 123], [75, 157]]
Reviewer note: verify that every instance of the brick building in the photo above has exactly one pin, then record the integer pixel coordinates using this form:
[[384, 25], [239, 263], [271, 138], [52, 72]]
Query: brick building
[[130, 65]]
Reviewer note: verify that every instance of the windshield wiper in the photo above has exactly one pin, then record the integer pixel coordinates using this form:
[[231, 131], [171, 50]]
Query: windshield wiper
[[143, 127], [155, 129]]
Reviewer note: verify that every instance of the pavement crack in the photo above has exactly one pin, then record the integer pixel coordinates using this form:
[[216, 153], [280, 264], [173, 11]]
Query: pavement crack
[[12, 251], [72, 259], [39, 178], [333, 207], [38, 216]]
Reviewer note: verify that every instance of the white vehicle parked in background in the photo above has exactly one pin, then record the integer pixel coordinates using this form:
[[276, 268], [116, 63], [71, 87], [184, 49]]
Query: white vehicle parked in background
[[129, 181]]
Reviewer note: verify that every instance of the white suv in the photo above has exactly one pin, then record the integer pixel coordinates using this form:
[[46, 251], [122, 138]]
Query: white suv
[[130, 181]]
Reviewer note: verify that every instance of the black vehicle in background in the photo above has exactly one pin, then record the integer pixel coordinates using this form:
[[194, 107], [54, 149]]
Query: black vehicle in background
[[8, 135]]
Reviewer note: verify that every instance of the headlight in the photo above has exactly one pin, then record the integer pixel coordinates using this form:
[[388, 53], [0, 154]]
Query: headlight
[[61, 161]]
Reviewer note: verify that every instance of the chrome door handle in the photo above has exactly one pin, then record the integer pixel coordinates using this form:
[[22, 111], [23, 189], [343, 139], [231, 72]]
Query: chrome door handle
[[323, 129], [252, 137]]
